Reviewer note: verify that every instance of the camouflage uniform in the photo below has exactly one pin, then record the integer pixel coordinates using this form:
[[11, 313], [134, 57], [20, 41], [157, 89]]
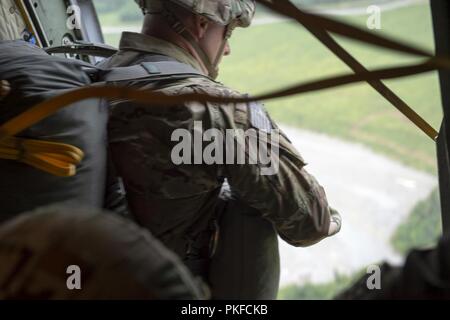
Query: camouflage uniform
[[11, 22], [178, 202]]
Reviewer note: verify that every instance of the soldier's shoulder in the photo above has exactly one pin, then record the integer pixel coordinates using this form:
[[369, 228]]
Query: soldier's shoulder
[[251, 115], [204, 85]]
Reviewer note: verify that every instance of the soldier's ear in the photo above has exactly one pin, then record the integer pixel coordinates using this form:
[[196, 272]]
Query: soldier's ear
[[201, 25]]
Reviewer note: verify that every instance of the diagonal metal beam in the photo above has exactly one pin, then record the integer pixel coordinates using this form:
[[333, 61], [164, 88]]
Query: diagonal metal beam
[[325, 38]]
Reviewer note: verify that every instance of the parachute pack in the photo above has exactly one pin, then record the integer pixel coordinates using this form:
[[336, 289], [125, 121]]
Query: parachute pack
[[35, 173], [61, 159]]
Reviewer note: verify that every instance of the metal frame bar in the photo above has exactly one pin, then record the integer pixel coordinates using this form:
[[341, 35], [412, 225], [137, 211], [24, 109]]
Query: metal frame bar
[[441, 22], [91, 30], [327, 40], [29, 21]]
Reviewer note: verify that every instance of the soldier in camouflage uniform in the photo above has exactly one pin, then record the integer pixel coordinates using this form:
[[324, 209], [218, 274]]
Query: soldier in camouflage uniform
[[178, 203]]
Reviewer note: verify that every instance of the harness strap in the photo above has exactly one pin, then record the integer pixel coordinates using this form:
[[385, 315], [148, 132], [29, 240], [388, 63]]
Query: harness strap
[[61, 159], [149, 70]]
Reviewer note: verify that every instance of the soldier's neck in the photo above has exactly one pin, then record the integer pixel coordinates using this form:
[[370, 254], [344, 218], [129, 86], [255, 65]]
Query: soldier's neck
[[155, 26]]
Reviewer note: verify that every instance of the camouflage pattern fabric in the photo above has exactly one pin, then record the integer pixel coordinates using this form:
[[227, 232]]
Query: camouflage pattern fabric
[[11, 22], [116, 259], [222, 12]]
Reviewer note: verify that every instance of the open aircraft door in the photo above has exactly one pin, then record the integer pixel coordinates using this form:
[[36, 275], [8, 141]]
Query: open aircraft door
[[61, 23]]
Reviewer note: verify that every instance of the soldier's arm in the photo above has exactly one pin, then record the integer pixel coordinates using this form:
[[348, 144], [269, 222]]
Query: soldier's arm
[[290, 198]]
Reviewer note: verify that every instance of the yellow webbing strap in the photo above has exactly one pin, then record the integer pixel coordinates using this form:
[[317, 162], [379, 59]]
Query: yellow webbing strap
[[55, 158]]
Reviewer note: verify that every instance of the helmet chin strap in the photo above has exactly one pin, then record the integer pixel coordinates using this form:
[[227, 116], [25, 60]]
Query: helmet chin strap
[[211, 66]]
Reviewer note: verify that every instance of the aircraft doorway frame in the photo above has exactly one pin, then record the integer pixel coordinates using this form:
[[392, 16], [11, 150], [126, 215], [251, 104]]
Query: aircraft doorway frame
[[441, 21]]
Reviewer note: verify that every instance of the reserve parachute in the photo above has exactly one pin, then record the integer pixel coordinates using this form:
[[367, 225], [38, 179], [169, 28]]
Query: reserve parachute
[[79, 131], [62, 158]]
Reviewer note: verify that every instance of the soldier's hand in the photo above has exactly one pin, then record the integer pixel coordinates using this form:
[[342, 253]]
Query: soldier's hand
[[4, 89], [335, 223]]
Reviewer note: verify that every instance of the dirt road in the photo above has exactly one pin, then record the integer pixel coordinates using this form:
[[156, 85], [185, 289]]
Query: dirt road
[[373, 193]]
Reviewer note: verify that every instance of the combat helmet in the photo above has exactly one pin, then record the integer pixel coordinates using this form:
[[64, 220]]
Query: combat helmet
[[229, 13]]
